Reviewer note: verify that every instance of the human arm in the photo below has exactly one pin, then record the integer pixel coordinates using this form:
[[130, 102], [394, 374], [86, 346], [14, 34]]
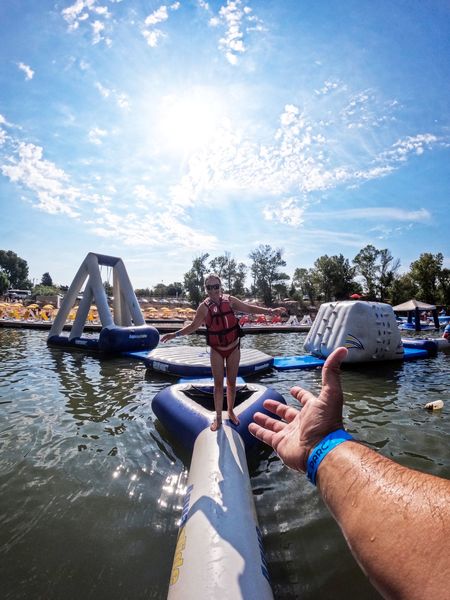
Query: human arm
[[191, 327], [395, 520], [254, 309]]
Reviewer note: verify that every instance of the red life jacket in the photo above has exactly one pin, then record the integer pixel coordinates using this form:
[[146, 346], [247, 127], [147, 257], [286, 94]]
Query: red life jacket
[[222, 326]]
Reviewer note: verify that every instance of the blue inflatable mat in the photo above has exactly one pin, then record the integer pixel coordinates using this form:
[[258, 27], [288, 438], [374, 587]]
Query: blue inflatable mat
[[413, 353], [306, 361]]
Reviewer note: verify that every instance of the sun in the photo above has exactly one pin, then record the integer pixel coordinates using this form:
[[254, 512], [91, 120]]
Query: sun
[[190, 120]]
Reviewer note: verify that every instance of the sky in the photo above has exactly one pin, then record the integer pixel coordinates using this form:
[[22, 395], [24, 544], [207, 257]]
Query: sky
[[159, 131]]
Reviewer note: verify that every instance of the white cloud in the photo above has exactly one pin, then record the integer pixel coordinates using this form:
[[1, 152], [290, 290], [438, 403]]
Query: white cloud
[[133, 230], [306, 155], [330, 86], [82, 11], [104, 91], [377, 212], [96, 134], [237, 20], [410, 145], [153, 37], [50, 184], [287, 212], [121, 99], [152, 34], [157, 16], [29, 73], [97, 28]]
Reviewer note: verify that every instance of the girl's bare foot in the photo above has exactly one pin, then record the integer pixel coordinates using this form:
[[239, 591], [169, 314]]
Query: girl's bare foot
[[216, 424], [233, 418]]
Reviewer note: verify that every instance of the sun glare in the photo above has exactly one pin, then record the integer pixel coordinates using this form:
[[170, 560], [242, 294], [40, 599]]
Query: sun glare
[[190, 121]]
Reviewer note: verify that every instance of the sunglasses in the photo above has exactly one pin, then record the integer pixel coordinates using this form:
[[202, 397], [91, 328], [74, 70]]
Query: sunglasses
[[214, 286]]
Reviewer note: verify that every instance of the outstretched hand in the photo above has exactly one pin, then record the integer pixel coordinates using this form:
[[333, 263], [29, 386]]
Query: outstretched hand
[[298, 433], [167, 337]]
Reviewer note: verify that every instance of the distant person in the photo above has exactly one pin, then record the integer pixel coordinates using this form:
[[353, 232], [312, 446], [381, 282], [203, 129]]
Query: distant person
[[396, 520], [223, 335]]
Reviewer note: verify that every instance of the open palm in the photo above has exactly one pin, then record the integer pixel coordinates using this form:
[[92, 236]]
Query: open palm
[[295, 436]]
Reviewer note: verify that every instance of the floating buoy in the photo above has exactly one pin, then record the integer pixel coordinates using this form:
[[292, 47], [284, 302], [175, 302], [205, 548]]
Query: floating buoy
[[436, 405]]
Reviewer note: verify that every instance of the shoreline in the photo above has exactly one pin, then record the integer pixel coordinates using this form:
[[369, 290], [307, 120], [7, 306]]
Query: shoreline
[[169, 326]]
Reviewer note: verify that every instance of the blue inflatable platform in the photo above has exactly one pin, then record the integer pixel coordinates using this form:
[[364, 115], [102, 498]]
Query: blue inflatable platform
[[193, 361]]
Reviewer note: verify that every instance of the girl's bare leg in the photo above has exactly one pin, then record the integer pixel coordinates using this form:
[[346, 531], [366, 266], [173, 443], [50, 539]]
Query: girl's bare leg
[[218, 370], [232, 371]]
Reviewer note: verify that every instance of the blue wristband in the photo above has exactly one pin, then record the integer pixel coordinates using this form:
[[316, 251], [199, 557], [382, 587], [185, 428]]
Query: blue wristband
[[321, 450]]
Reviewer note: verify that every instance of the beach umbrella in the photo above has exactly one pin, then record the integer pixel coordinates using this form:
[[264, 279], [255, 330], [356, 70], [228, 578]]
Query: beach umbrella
[[355, 297], [33, 306], [48, 307]]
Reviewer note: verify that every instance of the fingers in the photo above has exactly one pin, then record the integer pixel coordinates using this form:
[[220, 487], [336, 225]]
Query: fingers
[[288, 413], [268, 422], [331, 368], [264, 435], [301, 395]]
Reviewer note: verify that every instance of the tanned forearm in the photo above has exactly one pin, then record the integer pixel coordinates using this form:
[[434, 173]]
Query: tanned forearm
[[396, 520]]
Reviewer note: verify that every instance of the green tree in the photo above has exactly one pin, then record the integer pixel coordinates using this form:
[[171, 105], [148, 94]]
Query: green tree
[[334, 277], [425, 271], [175, 289], [377, 269], [238, 284], [4, 283], [388, 269], [160, 290], [140, 292], [403, 288], [194, 279], [266, 272], [108, 288], [45, 290], [367, 268], [230, 272], [304, 282], [47, 280], [16, 269], [444, 286]]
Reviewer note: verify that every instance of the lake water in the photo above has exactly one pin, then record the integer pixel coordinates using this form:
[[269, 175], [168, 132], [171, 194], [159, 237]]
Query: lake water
[[91, 487]]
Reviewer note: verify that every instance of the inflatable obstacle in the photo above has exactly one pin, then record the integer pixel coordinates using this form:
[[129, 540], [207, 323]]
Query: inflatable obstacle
[[367, 329], [194, 361], [123, 329], [219, 552]]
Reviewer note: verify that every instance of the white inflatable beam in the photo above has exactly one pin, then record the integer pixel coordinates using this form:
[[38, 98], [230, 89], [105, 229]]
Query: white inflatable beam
[[219, 551]]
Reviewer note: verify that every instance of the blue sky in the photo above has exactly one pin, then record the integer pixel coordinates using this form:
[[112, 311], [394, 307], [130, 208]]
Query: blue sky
[[159, 131]]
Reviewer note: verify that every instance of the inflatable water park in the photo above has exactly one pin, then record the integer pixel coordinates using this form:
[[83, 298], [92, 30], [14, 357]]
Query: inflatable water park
[[219, 551]]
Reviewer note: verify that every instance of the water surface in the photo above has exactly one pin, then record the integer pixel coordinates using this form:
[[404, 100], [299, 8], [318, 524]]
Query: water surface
[[91, 486]]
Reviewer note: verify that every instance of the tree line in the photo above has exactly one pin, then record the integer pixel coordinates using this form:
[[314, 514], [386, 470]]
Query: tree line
[[373, 273]]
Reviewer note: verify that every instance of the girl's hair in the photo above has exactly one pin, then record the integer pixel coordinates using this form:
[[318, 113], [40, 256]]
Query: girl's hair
[[212, 276]]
